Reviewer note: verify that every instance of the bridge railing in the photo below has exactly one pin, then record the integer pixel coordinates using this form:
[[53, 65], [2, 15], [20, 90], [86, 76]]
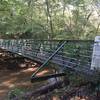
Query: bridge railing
[[75, 54]]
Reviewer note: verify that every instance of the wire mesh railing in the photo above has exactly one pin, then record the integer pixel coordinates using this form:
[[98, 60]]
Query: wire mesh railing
[[75, 54]]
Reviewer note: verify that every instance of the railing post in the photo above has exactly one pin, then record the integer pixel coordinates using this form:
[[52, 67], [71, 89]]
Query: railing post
[[96, 54]]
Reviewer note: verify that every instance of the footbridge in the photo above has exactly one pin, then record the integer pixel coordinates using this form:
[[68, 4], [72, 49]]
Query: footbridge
[[71, 55]]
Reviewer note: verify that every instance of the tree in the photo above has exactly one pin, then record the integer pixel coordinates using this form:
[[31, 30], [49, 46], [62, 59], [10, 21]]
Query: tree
[[50, 19]]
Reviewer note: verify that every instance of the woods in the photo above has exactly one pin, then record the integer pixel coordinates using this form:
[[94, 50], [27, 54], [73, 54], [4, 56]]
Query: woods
[[49, 19], [47, 41]]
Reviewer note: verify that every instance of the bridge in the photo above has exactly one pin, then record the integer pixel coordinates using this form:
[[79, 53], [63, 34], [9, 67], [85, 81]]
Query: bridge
[[70, 55]]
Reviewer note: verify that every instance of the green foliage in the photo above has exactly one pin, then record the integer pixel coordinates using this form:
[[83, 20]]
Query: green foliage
[[49, 19], [14, 93]]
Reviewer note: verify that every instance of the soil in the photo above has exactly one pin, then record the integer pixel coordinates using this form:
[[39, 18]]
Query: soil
[[16, 79], [12, 76]]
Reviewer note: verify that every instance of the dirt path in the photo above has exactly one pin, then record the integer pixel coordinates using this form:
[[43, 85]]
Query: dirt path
[[19, 79]]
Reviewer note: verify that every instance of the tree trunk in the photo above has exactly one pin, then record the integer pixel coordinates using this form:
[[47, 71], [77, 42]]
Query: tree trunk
[[49, 20], [43, 90]]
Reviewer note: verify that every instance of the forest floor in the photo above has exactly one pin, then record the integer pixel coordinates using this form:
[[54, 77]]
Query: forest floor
[[10, 80], [14, 77]]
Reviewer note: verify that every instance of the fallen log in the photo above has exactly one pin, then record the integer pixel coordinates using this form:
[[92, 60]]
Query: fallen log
[[43, 90], [43, 78]]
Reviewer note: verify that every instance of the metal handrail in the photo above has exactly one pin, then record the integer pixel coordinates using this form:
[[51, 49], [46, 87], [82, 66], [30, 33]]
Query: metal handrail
[[59, 48]]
